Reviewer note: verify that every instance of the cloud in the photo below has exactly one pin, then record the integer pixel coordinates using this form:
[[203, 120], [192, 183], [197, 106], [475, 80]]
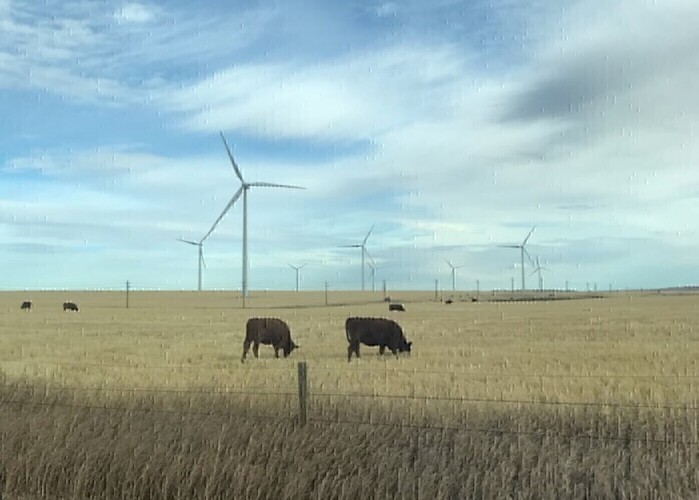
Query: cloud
[[135, 13], [355, 97]]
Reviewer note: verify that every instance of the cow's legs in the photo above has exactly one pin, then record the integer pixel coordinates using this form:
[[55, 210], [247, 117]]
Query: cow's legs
[[246, 348], [352, 348], [276, 351], [256, 348], [382, 349]]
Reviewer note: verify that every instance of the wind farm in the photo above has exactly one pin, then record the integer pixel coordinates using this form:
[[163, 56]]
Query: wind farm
[[453, 255]]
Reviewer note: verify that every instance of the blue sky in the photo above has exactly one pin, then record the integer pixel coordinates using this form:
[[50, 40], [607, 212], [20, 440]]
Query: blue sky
[[453, 127]]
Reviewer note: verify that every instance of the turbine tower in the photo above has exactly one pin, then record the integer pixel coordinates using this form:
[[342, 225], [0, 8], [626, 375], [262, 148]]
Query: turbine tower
[[361, 245], [199, 244], [522, 252], [243, 190], [297, 269], [453, 274]]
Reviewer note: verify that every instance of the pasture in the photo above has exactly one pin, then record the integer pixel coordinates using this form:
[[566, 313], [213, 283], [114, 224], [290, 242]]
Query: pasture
[[585, 397]]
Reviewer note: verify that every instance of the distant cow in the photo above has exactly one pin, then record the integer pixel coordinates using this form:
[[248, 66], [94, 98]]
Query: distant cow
[[387, 299], [396, 307], [27, 304], [268, 331], [448, 301], [70, 306], [375, 332]]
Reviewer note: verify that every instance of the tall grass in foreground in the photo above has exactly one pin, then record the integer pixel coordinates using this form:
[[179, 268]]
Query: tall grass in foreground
[[184, 446]]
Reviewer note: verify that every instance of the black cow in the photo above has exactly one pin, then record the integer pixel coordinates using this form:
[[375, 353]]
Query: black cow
[[268, 331], [70, 306], [27, 304], [396, 307], [375, 332], [449, 301], [387, 299]]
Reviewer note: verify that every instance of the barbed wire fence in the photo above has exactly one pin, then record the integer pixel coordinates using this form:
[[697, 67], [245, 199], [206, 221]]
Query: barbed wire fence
[[305, 400]]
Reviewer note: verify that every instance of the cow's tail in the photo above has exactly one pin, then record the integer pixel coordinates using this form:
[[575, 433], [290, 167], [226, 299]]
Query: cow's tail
[[347, 322]]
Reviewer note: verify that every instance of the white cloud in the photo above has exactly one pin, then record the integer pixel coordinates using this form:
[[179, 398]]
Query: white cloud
[[135, 13], [355, 97]]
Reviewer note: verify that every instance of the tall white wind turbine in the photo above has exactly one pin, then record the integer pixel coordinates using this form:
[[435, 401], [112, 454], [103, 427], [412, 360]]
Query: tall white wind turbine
[[243, 190], [361, 245], [199, 244], [453, 274], [522, 252]]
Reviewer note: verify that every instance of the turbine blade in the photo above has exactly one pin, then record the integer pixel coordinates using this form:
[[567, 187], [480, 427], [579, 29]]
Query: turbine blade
[[527, 238], [449, 263], [187, 241], [528, 256], [367, 235], [370, 258], [230, 155], [203, 262], [509, 246], [230, 204], [350, 246], [272, 185]]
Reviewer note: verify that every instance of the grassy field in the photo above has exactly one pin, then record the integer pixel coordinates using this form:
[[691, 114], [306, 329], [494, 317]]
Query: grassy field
[[565, 398]]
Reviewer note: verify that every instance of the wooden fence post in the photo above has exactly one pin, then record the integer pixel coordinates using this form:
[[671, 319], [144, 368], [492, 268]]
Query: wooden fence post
[[3, 473], [303, 392]]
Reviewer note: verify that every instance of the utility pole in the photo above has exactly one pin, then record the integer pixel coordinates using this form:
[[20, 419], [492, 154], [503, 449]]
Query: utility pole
[[128, 286]]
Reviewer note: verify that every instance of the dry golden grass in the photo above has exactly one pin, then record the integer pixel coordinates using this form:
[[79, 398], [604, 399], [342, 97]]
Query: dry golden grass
[[564, 398]]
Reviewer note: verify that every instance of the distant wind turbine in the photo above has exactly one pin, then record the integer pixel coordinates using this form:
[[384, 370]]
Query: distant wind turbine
[[361, 245], [538, 270], [243, 189], [522, 252], [199, 244], [372, 266], [453, 274], [297, 269]]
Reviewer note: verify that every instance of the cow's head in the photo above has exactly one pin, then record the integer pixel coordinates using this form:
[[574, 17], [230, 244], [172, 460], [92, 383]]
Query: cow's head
[[405, 346], [289, 348]]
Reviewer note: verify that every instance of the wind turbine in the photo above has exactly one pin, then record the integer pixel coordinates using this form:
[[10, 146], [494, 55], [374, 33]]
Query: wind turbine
[[243, 190], [297, 269], [199, 244], [372, 266], [538, 269], [522, 252], [361, 245], [453, 274]]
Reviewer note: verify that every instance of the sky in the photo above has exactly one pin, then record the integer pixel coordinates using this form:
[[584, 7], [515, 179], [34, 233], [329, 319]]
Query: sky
[[452, 128]]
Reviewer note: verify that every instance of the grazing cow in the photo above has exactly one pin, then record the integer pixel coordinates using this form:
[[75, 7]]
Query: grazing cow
[[27, 304], [70, 306], [268, 331], [375, 332], [396, 307], [387, 299], [448, 301]]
